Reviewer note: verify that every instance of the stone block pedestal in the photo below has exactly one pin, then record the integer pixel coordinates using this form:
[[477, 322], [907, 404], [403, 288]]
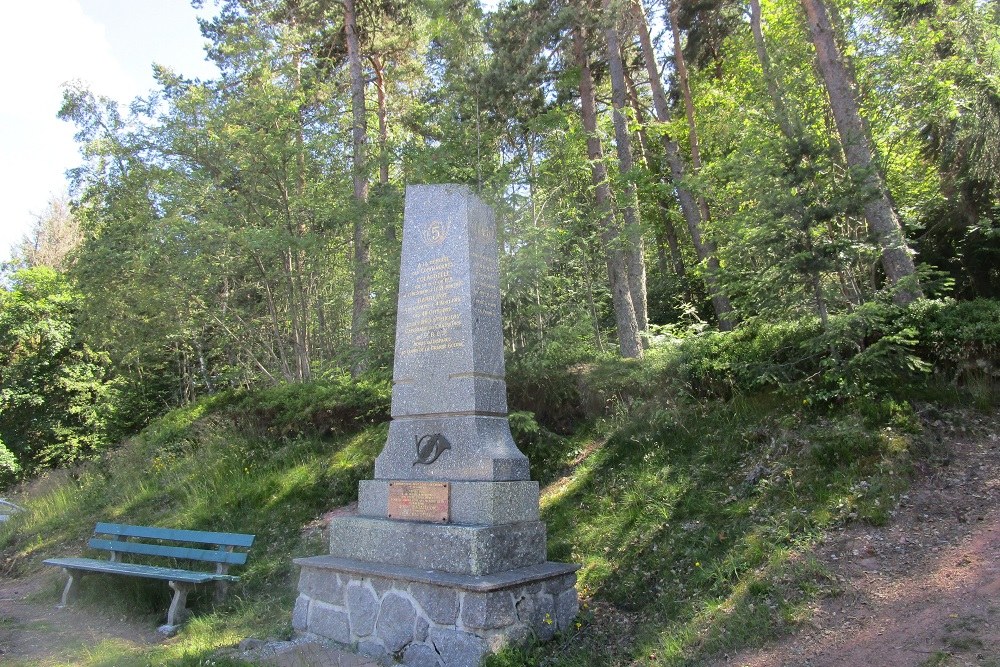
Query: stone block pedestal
[[427, 618]]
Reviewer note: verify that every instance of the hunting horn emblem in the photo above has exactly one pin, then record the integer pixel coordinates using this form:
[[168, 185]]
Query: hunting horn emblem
[[430, 447]]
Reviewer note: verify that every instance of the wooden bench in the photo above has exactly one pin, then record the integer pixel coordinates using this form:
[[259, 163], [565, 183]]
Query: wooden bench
[[120, 539]]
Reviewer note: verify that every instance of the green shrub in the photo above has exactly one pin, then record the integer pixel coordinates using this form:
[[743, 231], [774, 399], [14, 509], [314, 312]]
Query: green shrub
[[325, 407], [961, 339], [869, 352], [9, 467], [56, 393], [715, 364], [547, 451], [543, 380]]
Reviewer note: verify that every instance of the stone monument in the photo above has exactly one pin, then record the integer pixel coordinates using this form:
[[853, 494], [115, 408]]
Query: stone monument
[[445, 559]]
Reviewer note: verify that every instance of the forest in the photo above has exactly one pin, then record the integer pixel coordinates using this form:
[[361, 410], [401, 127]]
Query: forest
[[750, 282], [822, 174]]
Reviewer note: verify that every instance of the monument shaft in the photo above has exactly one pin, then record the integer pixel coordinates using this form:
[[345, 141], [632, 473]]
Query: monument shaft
[[449, 394]]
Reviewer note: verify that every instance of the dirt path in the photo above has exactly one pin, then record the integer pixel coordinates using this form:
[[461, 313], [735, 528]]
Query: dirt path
[[33, 632], [923, 591]]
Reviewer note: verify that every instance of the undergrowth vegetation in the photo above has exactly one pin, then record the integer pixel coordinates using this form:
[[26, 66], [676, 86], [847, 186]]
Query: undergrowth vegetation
[[690, 486]]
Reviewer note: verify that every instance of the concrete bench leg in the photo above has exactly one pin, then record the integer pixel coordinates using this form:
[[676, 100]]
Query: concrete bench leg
[[177, 611], [221, 590], [72, 586]]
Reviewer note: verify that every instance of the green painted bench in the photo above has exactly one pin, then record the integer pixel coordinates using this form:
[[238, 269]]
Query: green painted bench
[[186, 545]]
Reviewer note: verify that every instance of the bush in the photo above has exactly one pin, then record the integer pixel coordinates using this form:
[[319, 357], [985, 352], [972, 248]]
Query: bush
[[961, 339], [715, 364], [544, 381], [325, 407], [547, 451], [9, 467], [56, 394]]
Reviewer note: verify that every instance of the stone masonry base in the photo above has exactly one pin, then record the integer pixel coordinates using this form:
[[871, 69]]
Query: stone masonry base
[[424, 618]]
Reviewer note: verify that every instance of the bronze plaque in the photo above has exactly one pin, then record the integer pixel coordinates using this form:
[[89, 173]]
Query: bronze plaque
[[420, 501]]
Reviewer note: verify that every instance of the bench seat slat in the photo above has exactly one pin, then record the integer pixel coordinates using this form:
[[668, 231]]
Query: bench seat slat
[[141, 548], [147, 571], [176, 534]]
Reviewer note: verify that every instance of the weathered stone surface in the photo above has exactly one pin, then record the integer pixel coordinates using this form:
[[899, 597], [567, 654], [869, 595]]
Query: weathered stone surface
[[380, 584], [251, 644], [320, 585], [395, 622], [458, 648], [300, 614], [373, 649], [448, 328], [448, 376], [557, 585], [512, 635], [477, 550], [472, 503], [516, 635], [532, 577], [299, 653], [328, 622], [567, 607], [420, 629], [486, 611], [362, 608], [544, 617], [525, 609], [439, 603], [491, 503], [421, 655], [449, 596], [482, 448]]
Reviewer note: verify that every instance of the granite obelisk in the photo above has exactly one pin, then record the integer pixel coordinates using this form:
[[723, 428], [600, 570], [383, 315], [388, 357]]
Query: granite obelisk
[[445, 559]]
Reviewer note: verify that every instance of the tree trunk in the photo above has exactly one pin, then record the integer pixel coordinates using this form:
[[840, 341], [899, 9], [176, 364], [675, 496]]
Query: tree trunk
[[383, 137], [362, 255], [383, 126], [300, 283], [838, 78], [669, 232], [789, 126], [704, 248], [621, 298], [634, 250], [682, 80]]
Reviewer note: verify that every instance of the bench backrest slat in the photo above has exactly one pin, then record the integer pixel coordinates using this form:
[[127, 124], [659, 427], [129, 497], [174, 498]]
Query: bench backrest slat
[[189, 553], [175, 534]]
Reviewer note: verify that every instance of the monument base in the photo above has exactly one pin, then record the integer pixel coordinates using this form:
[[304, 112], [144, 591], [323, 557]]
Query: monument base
[[427, 618], [474, 550]]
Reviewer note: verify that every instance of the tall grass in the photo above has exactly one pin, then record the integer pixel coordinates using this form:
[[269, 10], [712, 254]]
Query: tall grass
[[198, 468]]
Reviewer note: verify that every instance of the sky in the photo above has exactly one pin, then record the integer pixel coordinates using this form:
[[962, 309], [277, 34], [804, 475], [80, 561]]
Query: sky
[[108, 44]]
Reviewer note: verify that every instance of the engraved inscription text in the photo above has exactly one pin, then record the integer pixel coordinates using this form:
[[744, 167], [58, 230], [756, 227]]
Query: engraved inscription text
[[420, 501], [432, 309]]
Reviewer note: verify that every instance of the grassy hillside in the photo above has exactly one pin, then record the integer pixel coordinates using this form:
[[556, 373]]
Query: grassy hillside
[[690, 486]]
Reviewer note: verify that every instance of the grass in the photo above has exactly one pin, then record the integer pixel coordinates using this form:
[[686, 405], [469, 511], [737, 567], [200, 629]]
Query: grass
[[119, 653], [692, 517], [197, 468], [693, 525]]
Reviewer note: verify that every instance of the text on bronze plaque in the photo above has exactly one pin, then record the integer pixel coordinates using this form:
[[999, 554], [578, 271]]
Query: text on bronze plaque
[[420, 501]]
